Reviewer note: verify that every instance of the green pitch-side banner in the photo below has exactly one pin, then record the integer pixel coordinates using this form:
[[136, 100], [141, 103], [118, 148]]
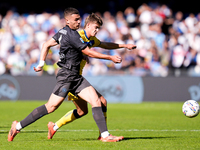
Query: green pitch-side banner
[[116, 89]]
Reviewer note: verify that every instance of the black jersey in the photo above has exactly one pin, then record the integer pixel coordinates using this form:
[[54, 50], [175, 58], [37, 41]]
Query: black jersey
[[71, 46]]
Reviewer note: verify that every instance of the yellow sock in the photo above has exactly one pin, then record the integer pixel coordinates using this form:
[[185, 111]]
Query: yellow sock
[[105, 115], [67, 118]]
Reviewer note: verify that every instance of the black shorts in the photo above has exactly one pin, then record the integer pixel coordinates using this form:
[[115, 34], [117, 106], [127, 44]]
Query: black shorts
[[67, 82]]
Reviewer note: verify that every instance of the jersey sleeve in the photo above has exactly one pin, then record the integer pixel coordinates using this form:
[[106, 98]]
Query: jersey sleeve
[[77, 42], [56, 37], [97, 42]]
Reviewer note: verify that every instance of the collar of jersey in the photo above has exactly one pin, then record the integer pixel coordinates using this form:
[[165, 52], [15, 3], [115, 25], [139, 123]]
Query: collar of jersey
[[70, 28], [86, 34]]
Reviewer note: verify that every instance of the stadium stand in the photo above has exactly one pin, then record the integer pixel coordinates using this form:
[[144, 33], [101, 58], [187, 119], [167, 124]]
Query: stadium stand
[[167, 42]]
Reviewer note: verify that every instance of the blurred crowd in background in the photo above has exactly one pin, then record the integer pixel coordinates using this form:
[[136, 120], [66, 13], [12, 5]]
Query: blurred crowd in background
[[168, 43]]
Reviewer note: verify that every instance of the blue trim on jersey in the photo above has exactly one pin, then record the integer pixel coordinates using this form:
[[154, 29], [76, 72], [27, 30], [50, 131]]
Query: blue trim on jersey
[[86, 35]]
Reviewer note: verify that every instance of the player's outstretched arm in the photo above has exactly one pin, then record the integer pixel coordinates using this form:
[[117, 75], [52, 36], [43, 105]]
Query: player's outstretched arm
[[45, 49], [94, 54], [108, 45]]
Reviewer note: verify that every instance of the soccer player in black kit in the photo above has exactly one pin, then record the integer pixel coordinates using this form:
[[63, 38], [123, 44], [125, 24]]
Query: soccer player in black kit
[[68, 78]]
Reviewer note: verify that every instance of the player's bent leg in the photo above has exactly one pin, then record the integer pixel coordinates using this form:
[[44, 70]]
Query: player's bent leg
[[53, 127], [89, 95], [67, 118], [53, 103], [81, 110], [104, 106], [103, 100], [36, 114], [81, 107], [104, 109]]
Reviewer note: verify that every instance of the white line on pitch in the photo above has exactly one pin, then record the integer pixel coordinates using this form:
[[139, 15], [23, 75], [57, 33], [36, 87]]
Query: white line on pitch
[[127, 130]]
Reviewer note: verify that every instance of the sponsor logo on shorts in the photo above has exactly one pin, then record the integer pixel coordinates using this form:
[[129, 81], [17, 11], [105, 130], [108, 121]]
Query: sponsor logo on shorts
[[64, 90]]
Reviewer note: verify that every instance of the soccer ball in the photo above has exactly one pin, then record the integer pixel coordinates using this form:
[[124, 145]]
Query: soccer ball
[[190, 108]]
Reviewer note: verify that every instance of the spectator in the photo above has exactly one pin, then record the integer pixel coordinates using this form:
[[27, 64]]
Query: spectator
[[130, 16], [16, 62], [164, 42], [2, 67]]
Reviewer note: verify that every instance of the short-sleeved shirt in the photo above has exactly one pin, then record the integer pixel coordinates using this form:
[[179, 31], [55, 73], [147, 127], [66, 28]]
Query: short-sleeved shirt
[[68, 77], [91, 42], [71, 46]]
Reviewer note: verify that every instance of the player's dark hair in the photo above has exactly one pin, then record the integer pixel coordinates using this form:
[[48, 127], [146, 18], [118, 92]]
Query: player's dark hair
[[70, 11], [94, 19]]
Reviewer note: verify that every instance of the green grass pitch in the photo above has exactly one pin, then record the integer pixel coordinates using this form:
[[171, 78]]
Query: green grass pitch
[[145, 126]]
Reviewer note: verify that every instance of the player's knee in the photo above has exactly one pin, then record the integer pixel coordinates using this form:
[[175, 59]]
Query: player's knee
[[79, 113], [103, 101], [53, 103], [96, 102], [83, 112], [50, 108]]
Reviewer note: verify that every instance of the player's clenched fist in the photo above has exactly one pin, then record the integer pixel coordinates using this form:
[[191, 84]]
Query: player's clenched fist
[[37, 69], [40, 66], [130, 46], [116, 59]]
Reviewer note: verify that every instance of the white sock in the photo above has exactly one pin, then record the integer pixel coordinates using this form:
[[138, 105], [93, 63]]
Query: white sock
[[105, 134], [18, 126], [55, 128]]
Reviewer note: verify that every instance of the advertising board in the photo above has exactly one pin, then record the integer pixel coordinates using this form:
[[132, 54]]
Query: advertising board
[[116, 89]]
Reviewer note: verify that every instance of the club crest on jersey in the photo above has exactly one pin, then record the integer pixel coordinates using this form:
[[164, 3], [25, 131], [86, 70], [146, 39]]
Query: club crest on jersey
[[81, 40]]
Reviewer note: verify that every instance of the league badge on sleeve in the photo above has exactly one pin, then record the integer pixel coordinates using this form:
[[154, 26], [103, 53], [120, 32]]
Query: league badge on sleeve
[[81, 40]]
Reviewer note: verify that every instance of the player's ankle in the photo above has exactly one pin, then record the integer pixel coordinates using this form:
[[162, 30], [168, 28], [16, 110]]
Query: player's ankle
[[55, 127], [105, 134], [18, 126]]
